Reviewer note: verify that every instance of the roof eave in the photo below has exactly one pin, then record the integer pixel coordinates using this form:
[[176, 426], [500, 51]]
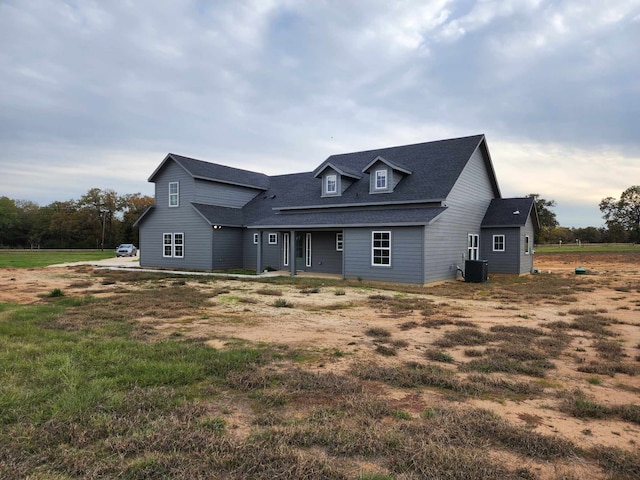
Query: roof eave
[[339, 225], [361, 204], [143, 215], [211, 179], [161, 166], [489, 164], [510, 225], [318, 172]]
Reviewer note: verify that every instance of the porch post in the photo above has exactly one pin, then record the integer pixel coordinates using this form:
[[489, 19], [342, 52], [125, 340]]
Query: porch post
[[259, 253], [292, 252], [344, 277]]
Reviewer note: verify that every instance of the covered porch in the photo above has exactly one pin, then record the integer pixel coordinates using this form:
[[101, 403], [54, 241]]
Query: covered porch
[[312, 252]]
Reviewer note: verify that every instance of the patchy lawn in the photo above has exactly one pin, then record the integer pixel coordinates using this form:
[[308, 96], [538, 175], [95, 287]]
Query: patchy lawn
[[144, 375]]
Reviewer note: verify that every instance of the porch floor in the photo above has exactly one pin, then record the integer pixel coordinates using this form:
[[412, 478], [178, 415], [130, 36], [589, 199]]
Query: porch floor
[[284, 273]]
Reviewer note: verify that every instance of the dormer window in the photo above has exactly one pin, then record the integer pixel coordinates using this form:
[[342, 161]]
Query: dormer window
[[331, 186], [381, 180], [335, 179], [384, 175]]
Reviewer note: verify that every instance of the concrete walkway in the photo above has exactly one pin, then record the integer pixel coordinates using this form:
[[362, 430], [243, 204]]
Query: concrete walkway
[[128, 263]]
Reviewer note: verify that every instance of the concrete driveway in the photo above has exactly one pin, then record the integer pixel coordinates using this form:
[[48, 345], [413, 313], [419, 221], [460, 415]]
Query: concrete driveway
[[123, 262]]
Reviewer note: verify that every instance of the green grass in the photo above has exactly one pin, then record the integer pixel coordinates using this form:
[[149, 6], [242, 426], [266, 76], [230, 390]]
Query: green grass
[[65, 374], [42, 258]]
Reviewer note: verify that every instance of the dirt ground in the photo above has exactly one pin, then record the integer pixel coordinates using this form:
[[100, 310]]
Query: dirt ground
[[331, 326]]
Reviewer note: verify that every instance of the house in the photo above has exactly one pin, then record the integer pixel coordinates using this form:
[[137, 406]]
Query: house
[[410, 213]]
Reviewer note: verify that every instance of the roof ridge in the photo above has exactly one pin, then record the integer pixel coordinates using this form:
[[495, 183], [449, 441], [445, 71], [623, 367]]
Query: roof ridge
[[480, 135]]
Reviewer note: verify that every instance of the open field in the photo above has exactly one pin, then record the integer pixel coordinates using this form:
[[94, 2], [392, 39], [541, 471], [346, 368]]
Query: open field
[[588, 248], [140, 375], [42, 258]]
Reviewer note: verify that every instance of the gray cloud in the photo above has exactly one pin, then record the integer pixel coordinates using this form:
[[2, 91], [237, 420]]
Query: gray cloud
[[279, 85]]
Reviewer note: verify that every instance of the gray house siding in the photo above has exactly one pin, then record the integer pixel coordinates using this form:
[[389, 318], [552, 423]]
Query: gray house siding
[[182, 219], [406, 252], [249, 250], [221, 194], [227, 248], [502, 262], [172, 172], [198, 239], [271, 254], [324, 257], [446, 238]]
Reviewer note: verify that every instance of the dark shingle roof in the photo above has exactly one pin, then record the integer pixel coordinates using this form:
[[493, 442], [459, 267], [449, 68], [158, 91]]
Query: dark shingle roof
[[223, 216], [510, 212], [435, 168], [219, 173]]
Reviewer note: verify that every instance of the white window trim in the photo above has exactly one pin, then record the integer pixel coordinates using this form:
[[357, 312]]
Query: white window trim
[[495, 237], [527, 245], [285, 249], [307, 250], [380, 174], [339, 242], [273, 239], [175, 244], [165, 237], [255, 238], [176, 194], [172, 244], [374, 248], [473, 248], [333, 177]]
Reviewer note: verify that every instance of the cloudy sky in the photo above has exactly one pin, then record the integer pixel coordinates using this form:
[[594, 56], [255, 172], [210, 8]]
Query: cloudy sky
[[95, 93]]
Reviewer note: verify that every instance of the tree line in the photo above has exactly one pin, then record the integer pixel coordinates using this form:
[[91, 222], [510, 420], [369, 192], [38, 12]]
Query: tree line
[[104, 219], [99, 219], [621, 216]]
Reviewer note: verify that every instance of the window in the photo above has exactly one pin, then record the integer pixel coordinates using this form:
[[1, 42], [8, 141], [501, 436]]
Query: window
[[255, 238], [332, 184], [273, 238], [339, 242], [167, 242], [473, 240], [173, 245], [178, 245], [174, 194], [307, 250], [527, 245], [381, 179], [285, 249], [381, 248], [498, 243]]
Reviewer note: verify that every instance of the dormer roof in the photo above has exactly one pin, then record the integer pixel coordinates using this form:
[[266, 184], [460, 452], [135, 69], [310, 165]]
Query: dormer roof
[[343, 170], [392, 165]]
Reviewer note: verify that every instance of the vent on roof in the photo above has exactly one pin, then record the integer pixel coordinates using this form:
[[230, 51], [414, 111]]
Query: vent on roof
[[517, 212]]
